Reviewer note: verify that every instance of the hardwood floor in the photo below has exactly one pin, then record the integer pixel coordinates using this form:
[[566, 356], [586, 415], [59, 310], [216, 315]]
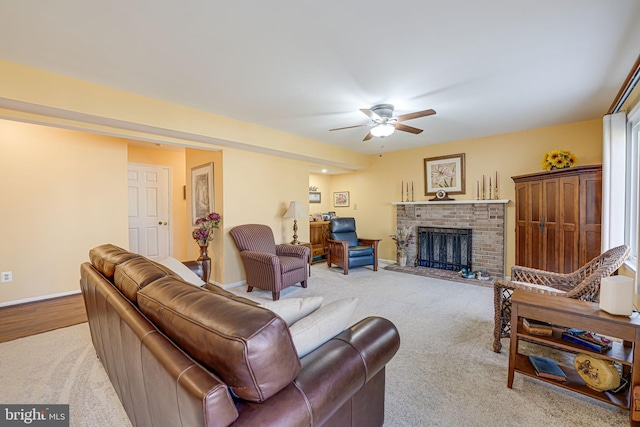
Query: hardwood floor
[[22, 320]]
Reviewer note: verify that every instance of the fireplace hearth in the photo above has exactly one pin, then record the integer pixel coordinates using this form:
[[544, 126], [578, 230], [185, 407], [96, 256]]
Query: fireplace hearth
[[444, 248]]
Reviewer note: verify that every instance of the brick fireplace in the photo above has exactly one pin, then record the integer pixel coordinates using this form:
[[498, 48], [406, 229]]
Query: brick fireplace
[[486, 219]]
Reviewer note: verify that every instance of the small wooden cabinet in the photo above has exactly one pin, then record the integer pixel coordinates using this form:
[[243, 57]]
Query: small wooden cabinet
[[558, 215], [318, 233]]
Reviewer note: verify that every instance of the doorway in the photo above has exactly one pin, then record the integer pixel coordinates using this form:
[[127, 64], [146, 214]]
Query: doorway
[[149, 210]]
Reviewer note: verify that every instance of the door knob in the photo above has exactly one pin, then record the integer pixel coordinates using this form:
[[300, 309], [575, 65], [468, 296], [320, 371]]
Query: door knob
[[162, 223]]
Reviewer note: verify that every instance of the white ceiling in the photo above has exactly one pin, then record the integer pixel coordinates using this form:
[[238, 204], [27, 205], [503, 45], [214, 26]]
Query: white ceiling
[[487, 67]]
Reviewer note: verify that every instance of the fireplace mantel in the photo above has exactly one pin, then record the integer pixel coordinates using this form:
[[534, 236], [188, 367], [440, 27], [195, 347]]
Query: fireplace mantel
[[452, 202]]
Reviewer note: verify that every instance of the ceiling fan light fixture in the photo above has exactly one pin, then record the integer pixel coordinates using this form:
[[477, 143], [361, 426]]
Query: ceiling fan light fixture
[[382, 130]]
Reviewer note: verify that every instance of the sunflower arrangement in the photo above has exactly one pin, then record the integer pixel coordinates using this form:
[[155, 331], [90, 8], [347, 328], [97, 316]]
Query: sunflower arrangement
[[558, 159]]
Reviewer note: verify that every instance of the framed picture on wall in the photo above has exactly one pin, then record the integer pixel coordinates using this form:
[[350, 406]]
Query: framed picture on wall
[[314, 197], [444, 173], [201, 191], [341, 199]]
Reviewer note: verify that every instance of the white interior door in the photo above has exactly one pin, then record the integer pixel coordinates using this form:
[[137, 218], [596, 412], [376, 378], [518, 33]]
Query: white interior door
[[149, 222]]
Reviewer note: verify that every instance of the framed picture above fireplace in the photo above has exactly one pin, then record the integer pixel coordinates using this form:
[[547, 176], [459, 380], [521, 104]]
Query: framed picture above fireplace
[[444, 173]]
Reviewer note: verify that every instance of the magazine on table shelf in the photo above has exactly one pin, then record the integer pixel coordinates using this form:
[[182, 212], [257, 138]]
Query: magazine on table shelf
[[547, 368], [536, 327], [588, 340]]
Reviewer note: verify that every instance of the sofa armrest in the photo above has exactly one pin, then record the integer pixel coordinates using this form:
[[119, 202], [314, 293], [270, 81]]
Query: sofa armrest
[[369, 242], [297, 251], [344, 365], [194, 266], [340, 245]]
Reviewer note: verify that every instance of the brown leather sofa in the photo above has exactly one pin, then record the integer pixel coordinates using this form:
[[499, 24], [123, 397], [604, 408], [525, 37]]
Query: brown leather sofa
[[180, 355]]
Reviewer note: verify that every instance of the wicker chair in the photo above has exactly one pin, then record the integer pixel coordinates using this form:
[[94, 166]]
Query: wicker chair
[[582, 284]]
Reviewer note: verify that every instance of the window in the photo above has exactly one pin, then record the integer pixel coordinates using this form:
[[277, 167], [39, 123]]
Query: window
[[631, 185]]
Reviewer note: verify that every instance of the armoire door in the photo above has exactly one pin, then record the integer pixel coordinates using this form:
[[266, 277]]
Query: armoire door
[[569, 225]]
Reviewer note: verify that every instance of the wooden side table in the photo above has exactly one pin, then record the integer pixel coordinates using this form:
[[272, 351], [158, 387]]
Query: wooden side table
[[567, 312]]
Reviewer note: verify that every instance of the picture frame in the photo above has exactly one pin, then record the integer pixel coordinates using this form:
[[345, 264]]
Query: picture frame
[[201, 191], [444, 173], [341, 199], [315, 197]]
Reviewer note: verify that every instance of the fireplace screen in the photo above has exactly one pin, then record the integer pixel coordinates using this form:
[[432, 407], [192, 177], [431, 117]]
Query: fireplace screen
[[444, 248]]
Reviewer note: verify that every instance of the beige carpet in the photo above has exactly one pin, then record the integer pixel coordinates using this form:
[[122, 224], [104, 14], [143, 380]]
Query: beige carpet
[[444, 374]]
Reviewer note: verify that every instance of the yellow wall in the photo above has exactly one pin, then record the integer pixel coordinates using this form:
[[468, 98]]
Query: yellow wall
[[92, 107], [62, 194], [250, 186], [195, 158], [373, 190], [258, 189], [176, 161], [323, 183]]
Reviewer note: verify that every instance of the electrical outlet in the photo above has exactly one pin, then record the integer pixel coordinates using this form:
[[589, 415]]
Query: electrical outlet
[[6, 276]]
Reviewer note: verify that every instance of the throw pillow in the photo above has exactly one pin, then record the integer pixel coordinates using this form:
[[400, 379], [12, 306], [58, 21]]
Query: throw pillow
[[323, 324], [294, 309], [182, 270]]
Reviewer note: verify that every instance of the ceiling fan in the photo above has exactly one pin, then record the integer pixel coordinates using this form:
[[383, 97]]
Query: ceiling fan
[[383, 122]]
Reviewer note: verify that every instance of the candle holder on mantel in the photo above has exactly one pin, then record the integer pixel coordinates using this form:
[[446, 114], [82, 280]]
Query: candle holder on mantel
[[402, 192]]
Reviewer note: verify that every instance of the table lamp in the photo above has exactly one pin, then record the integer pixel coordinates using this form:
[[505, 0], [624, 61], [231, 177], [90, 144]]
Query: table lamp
[[616, 295], [294, 212]]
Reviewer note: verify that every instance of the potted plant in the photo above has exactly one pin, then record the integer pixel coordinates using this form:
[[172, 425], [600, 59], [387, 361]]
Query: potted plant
[[203, 234], [403, 237]]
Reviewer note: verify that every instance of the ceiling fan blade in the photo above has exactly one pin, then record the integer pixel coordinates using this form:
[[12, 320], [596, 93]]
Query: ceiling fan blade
[[409, 129], [415, 115], [369, 113], [351, 127], [368, 137]]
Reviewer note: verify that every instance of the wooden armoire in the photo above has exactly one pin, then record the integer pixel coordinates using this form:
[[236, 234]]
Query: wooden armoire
[[558, 216]]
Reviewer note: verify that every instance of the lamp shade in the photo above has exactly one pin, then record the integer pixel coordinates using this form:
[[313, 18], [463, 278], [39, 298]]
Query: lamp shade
[[383, 129], [294, 210]]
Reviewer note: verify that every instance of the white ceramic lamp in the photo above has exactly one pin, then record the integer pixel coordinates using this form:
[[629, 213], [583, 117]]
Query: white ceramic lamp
[[616, 295]]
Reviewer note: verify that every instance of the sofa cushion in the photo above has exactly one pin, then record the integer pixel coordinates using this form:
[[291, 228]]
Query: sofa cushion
[[358, 251], [134, 274], [105, 258], [218, 290], [293, 309], [182, 270], [247, 346], [323, 324]]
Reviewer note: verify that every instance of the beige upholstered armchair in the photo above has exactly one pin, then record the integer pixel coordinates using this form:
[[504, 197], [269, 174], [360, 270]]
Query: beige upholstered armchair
[[582, 284], [269, 266]]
